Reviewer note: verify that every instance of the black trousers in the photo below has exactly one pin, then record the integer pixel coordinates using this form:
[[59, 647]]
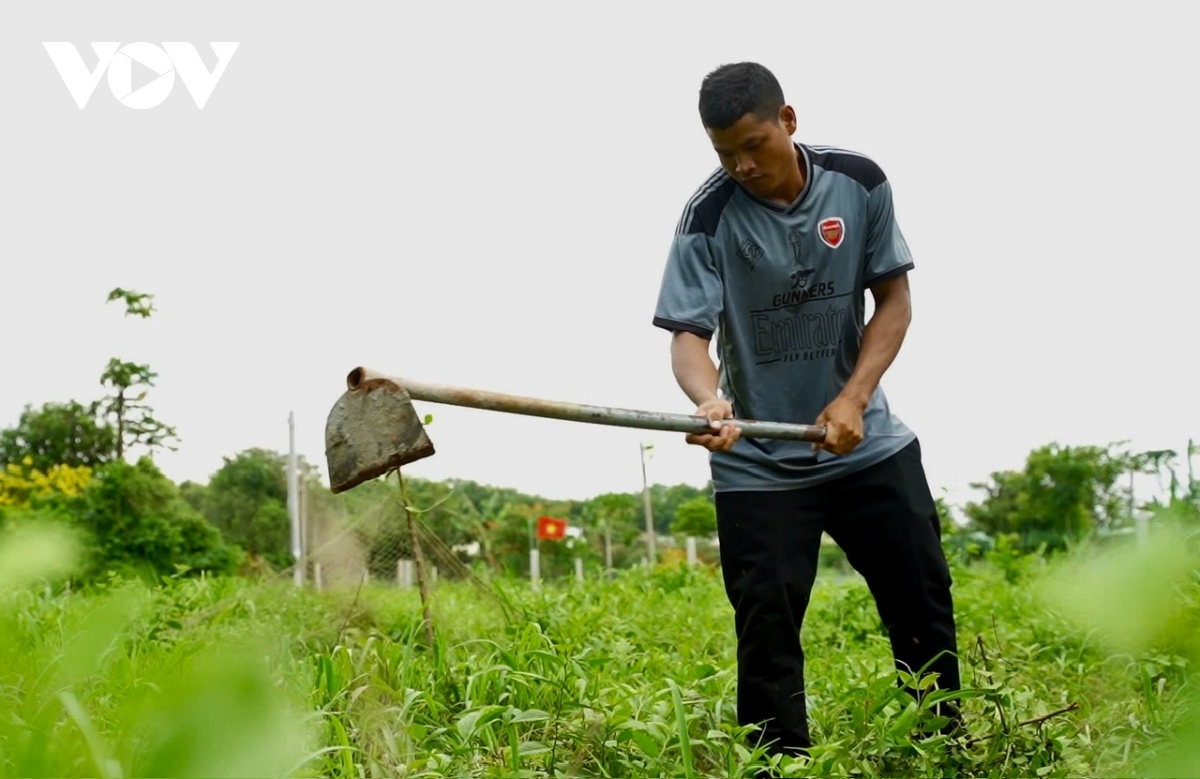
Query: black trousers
[[885, 520]]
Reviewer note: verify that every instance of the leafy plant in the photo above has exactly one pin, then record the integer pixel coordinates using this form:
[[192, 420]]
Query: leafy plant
[[58, 434], [133, 420]]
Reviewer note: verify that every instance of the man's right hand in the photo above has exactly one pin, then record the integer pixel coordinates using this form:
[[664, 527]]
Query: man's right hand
[[725, 436]]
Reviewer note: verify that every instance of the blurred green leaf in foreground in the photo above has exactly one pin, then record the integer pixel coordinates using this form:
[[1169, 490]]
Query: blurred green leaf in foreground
[[1144, 600], [80, 695]]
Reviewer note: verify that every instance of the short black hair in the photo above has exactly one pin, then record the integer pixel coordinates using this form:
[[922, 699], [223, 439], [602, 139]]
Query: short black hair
[[732, 91]]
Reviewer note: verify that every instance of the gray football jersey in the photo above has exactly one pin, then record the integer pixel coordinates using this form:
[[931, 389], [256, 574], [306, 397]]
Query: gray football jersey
[[783, 290]]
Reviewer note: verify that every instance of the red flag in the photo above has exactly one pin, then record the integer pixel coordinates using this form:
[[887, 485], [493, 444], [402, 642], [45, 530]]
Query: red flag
[[551, 528]]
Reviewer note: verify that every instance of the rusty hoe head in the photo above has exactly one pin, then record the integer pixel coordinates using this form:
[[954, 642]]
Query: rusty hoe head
[[371, 430]]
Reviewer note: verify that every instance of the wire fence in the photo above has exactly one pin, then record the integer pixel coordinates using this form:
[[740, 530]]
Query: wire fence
[[384, 543], [393, 541]]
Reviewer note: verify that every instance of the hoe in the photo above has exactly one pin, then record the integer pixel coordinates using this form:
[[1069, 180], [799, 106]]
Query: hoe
[[373, 428]]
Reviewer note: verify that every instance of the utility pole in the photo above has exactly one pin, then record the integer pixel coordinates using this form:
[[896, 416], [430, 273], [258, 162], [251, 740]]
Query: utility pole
[[293, 501], [652, 557]]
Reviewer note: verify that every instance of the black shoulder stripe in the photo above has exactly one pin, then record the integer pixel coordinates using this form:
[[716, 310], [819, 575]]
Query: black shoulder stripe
[[857, 166], [707, 209], [701, 192]]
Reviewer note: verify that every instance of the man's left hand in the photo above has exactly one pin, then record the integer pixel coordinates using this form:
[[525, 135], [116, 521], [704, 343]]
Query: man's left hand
[[843, 420]]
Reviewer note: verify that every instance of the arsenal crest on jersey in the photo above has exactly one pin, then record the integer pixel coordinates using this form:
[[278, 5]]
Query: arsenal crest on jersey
[[832, 231]]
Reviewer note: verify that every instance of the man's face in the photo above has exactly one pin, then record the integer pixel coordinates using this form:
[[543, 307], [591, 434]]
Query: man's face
[[759, 154]]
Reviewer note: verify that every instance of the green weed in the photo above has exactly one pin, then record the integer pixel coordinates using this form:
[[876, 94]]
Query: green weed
[[1084, 666]]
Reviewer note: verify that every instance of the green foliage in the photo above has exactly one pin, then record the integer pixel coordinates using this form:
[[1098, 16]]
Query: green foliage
[[1063, 494], [696, 517], [35, 549], [1142, 602], [136, 523], [129, 382], [133, 420], [830, 556], [58, 434], [246, 499], [665, 502], [634, 677], [180, 680], [621, 515], [1181, 498], [136, 303]]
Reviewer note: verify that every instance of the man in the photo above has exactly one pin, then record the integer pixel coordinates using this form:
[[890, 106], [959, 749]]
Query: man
[[773, 254]]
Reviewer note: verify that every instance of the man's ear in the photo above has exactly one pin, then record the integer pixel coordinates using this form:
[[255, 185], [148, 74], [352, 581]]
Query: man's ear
[[787, 117]]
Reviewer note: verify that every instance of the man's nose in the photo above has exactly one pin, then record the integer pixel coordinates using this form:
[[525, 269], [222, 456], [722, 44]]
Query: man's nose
[[745, 165]]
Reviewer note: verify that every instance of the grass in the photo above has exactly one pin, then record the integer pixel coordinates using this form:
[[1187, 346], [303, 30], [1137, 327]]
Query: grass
[[635, 677]]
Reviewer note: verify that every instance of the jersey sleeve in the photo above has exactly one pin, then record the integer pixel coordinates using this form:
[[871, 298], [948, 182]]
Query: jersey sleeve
[[689, 298], [887, 252]]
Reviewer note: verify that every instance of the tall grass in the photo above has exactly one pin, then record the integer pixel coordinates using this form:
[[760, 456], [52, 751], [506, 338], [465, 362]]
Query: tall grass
[[635, 677]]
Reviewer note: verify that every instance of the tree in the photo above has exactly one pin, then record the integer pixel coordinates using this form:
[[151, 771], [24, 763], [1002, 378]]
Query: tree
[[485, 514], [1063, 494], [138, 523], [194, 494], [246, 499], [696, 517], [619, 513], [58, 434], [1182, 492], [665, 501], [134, 420]]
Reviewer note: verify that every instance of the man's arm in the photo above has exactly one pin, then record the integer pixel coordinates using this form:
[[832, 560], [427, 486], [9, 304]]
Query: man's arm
[[882, 338], [690, 303], [693, 367], [697, 376]]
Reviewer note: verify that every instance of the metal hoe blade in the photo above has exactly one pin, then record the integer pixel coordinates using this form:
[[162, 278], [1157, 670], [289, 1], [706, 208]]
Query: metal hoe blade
[[371, 430]]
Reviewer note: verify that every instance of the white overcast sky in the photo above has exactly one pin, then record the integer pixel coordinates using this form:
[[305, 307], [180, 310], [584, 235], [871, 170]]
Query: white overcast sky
[[483, 194]]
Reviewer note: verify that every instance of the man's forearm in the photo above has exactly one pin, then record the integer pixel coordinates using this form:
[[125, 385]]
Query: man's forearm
[[694, 368], [882, 338]]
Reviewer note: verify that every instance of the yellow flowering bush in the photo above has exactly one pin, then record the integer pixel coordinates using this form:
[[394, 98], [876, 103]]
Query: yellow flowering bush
[[21, 482]]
